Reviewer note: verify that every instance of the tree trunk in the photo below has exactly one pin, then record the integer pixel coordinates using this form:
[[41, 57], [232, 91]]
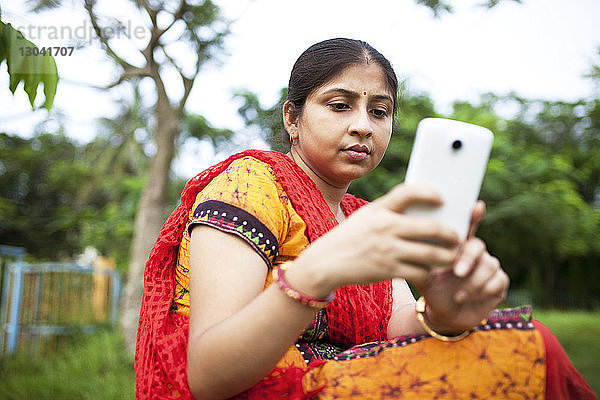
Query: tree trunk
[[149, 219]]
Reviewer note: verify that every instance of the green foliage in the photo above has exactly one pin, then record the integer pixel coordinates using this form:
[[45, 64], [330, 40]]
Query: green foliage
[[206, 28], [541, 189], [58, 197], [118, 149], [40, 5], [51, 196], [494, 3], [29, 69], [197, 127], [267, 120], [91, 367], [578, 333], [438, 7], [38, 184]]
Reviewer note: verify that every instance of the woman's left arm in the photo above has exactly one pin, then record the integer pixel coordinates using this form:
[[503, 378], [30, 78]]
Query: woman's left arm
[[403, 320], [457, 299]]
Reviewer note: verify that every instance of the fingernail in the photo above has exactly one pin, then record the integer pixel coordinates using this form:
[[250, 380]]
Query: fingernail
[[460, 296], [461, 268]]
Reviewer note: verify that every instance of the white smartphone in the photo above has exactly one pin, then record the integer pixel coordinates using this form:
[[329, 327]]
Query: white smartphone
[[451, 157]]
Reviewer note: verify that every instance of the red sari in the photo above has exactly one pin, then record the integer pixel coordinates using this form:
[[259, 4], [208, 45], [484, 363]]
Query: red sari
[[359, 314]]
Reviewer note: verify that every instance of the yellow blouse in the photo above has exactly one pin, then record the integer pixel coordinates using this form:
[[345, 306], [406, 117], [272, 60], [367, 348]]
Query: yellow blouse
[[245, 200]]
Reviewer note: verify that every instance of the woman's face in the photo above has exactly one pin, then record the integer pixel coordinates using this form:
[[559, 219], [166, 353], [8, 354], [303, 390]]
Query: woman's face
[[345, 125]]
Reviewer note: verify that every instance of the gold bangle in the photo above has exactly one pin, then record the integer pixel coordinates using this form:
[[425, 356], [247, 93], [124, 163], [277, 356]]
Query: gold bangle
[[420, 309]]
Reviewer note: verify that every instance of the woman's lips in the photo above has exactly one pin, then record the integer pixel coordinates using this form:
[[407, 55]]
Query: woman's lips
[[356, 155]]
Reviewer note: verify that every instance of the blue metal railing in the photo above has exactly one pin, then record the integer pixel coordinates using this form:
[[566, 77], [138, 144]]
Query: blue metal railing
[[40, 300], [12, 251], [8, 255]]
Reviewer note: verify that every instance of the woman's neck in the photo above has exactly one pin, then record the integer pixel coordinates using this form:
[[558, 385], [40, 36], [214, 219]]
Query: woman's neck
[[333, 195]]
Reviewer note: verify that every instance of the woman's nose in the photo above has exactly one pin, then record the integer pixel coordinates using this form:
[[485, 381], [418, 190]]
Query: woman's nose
[[361, 125]]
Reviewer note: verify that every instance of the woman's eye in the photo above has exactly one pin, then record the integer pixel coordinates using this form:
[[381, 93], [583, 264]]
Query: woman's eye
[[339, 106], [379, 113]]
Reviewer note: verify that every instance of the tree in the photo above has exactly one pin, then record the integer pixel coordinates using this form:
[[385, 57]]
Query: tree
[[203, 32], [200, 29], [268, 120], [58, 196], [540, 187], [438, 7], [39, 179], [53, 197], [119, 162]]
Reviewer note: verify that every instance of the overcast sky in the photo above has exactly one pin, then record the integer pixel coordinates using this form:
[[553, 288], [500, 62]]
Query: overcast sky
[[540, 49]]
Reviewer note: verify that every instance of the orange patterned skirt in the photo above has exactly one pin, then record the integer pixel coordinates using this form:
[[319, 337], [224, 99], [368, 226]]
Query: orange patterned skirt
[[506, 364], [507, 358]]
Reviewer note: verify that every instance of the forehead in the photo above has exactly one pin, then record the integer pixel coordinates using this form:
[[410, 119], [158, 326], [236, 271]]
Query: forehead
[[359, 78]]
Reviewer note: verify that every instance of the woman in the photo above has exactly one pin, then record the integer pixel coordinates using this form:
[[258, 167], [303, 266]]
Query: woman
[[264, 245]]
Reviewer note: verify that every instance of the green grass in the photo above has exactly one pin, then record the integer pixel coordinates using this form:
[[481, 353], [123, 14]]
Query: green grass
[[94, 367], [579, 334]]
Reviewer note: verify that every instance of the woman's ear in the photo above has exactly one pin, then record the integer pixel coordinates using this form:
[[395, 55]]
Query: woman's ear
[[290, 119]]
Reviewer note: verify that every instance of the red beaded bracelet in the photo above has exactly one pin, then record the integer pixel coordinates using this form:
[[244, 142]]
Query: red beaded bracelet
[[279, 277]]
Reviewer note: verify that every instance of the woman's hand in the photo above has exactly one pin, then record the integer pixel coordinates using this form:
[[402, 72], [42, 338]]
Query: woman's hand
[[378, 242], [460, 298]]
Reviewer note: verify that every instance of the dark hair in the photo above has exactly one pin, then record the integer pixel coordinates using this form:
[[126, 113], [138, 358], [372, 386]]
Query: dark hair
[[322, 61]]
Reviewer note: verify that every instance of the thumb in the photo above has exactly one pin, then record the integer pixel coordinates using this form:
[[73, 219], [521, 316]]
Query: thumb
[[476, 217], [404, 195]]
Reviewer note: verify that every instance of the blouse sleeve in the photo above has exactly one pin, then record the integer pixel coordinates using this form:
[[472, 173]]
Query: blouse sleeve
[[245, 200]]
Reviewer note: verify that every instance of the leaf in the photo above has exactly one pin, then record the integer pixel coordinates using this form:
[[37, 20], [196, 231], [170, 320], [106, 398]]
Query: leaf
[[29, 69], [41, 5], [436, 6], [197, 126]]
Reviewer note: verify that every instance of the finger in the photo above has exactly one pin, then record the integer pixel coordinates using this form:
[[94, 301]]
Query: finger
[[486, 268], [493, 292], [471, 251], [476, 217], [415, 274], [425, 254], [497, 286], [402, 196], [422, 229]]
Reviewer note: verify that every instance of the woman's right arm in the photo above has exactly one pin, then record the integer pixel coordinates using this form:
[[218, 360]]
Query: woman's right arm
[[238, 331]]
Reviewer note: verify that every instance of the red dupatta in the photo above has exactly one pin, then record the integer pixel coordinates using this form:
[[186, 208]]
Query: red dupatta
[[358, 314]]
